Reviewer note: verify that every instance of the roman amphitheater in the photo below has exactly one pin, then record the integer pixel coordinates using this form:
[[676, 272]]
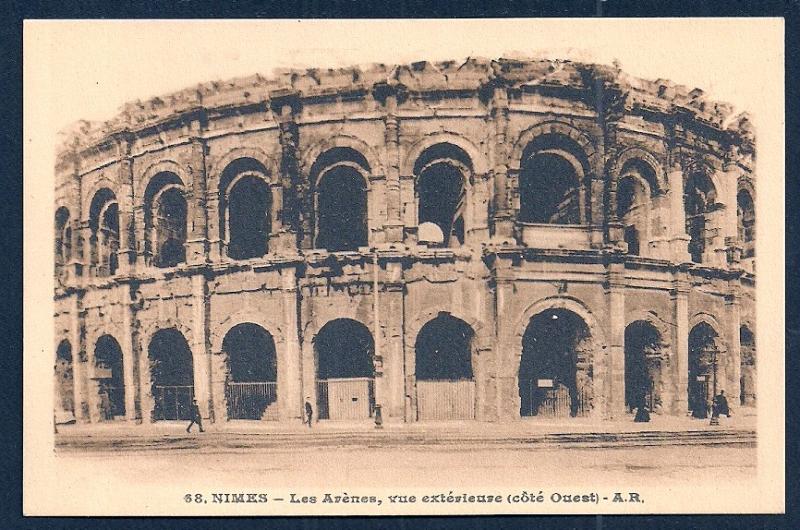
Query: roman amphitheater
[[482, 240]]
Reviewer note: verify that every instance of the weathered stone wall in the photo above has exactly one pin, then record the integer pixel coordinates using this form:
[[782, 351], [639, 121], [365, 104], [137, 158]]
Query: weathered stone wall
[[485, 115]]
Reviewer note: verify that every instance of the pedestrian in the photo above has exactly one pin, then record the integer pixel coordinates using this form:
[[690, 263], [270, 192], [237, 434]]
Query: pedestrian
[[196, 417], [309, 412], [721, 404], [642, 414]]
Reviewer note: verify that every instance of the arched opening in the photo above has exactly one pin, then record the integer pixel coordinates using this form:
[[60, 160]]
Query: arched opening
[[63, 239], [746, 215], [747, 391], [165, 220], [551, 187], [108, 376], [643, 357], [344, 351], [704, 353], [172, 375], [104, 226], [636, 184], [252, 388], [65, 386], [341, 200], [245, 209], [445, 383], [555, 372], [699, 202], [442, 173]]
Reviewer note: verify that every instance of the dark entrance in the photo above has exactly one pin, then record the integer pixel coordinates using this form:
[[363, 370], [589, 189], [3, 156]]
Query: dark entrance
[[642, 366], [703, 363], [108, 374], [747, 392], [445, 385], [172, 375], [555, 372], [345, 373], [65, 390], [252, 388]]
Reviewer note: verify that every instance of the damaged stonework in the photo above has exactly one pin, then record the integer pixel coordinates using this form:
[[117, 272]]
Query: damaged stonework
[[483, 240]]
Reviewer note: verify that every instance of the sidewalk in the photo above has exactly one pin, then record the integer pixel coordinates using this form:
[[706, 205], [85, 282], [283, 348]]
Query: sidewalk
[[661, 430]]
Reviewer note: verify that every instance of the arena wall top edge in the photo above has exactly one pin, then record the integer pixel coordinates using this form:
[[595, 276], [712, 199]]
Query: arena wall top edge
[[607, 87]]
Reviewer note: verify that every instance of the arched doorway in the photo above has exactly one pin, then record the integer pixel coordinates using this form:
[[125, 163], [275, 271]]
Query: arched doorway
[[165, 212], [445, 383], [442, 172], [172, 375], [704, 353], [642, 366], [104, 238], [340, 177], [551, 187], [245, 209], [108, 376], [252, 387], [699, 204], [555, 372], [747, 392], [344, 350], [746, 222], [65, 389]]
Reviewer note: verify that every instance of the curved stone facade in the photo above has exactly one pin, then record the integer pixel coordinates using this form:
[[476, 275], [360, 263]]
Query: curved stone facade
[[532, 237]]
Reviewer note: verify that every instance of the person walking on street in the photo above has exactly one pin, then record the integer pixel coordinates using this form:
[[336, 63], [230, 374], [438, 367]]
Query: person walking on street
[[196, 417], [309, 412]]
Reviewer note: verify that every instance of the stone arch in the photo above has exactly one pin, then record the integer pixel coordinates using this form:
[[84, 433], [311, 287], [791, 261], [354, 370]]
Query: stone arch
[[64, 381], [170, 363], [651, 317], [90, 193], [312, 153], [342, 209], [221, 328], [645, 358], [479, 162], [633, 154], [222, 163], [556, 128], [63, 236], [707, 362], [107, 373], [155, 169], [152, 327], [246, 215], [166, 219], [104, 225], [414, 326], [250, 358], [748, 361], [569, 303], [344, 369]]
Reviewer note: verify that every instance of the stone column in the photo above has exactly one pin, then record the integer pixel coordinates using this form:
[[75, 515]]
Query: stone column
[[503, 217], [86, 231], [76, 264], [129, 352], [615, 369], [78, 342], [679, 240], [393, 349], [146, 402], [733, 359], [507, 401], [290, 386], [201, 353], [394, 225], [680, 342], [297, 207], [197, 242], [126, 254]]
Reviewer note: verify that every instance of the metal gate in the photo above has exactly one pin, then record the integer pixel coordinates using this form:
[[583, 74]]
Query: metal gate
[[345, 398], [252, 401], [446, 400], [173, 402], [555, 401]]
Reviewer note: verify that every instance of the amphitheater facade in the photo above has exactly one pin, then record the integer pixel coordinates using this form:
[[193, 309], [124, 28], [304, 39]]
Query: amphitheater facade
[[478, 240]]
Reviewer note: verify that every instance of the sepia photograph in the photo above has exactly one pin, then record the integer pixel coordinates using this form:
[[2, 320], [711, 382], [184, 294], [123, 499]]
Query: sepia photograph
[[397, 267]]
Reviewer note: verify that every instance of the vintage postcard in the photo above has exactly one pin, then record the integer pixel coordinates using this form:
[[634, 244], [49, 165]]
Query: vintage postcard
[[385, 267]]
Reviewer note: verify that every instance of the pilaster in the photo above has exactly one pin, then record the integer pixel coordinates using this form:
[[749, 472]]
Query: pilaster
[[680, 341]]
